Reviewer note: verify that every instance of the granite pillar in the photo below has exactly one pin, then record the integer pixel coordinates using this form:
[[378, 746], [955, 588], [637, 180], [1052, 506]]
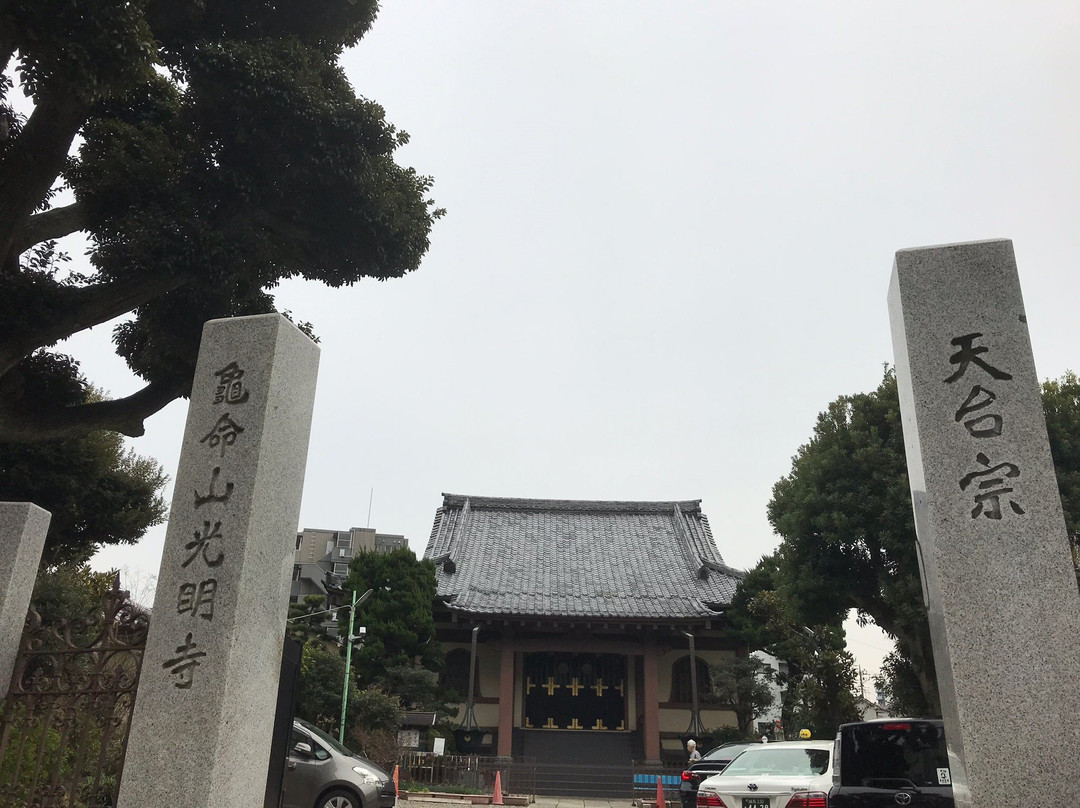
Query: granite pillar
[[204, 716], [23, 526], [997, 573]]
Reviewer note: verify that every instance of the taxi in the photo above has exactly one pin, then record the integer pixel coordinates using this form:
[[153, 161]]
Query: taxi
[[786, 774]]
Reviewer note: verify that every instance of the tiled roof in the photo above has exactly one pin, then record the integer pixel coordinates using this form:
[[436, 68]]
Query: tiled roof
[[578, 559]]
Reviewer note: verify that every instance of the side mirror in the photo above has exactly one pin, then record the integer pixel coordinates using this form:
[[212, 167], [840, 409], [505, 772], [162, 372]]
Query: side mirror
[[303, 749]]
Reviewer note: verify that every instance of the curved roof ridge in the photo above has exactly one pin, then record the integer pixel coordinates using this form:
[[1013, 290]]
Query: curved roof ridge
[[687, 506], [610, 559]]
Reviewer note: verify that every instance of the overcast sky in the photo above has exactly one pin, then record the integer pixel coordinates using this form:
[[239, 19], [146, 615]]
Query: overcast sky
[[668, 243]]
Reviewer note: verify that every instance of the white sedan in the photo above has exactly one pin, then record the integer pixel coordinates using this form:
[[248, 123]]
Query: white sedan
[[788, 774]]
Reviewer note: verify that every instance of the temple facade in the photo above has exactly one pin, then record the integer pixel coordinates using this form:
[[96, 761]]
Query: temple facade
[[585, 615]]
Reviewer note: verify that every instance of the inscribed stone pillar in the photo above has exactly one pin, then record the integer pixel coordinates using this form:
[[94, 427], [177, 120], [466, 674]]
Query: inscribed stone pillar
[[201, 730], [997, 573], [23, 526]]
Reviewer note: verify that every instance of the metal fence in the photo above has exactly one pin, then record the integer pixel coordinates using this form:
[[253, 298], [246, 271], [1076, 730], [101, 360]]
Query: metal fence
[[527, 776], [64, 721]]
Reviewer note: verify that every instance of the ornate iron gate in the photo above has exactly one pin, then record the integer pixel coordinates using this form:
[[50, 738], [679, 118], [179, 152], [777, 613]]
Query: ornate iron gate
[[64, 722]]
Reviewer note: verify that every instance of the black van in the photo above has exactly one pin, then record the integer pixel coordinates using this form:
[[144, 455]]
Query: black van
[[891, 762]]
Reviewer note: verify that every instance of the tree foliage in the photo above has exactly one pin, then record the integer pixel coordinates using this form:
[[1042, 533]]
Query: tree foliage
[[398, 615], [70, 594], [307, 619], [97, 492], [820, 680], [221, 151], [1061, 401], [742, 685], [848, 536], [417, 688], [322, 676]]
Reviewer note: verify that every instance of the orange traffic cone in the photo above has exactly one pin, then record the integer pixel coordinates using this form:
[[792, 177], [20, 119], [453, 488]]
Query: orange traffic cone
[[660, 801], [396, 781], [497, 798]]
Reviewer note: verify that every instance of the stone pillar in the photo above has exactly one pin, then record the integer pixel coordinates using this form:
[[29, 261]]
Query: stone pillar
[[204, 716], [651, 688], [23, 526], [506, 698], [997, 573]]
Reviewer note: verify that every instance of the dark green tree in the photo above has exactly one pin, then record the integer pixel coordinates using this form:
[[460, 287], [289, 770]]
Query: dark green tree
[[97, 492], [848, 536], [820, 678], [70, 594], [222, 150], [398, 615], [900, 687], [742, 685], [1061, 401], [307, 619], [417, 688]]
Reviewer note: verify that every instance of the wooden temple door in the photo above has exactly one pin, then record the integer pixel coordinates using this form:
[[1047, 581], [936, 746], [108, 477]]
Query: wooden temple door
[[575, 691]]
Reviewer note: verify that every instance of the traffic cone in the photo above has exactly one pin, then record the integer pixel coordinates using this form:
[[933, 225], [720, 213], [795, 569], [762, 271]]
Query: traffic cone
[[661, 802], [396, 792], [497, 798]]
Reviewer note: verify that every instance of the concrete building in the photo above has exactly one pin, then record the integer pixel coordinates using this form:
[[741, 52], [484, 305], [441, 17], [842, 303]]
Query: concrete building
[[769, 723], [321, 551]]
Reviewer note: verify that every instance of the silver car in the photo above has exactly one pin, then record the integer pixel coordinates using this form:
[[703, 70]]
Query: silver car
[[321, 773]]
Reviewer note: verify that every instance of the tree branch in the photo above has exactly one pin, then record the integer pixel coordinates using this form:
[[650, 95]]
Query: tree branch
[[35, 160], [7, 40], [83, 307], [53, 223], [123, 415]]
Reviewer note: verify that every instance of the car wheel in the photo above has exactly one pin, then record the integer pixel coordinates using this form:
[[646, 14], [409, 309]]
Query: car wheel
[[338, 798]]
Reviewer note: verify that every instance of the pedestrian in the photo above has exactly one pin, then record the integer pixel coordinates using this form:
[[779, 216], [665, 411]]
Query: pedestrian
[[695, 755]]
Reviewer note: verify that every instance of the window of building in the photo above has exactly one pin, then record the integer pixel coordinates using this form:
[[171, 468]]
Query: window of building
[[681, 690], [299, 540], [341, 569], [455, 674], [296, 572]]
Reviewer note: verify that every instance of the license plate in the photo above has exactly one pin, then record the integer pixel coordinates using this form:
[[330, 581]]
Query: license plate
[[755, 802]]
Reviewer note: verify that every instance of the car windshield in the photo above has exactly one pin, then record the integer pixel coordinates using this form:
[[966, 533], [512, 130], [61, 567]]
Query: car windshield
[[727, 752], [894, 754], [326, 739], [789, 762]]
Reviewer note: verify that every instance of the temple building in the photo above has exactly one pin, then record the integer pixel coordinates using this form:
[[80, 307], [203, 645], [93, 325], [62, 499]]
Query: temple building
[[586, 614]]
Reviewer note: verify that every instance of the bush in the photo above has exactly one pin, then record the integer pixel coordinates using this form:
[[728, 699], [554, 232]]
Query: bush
[[378, 745]]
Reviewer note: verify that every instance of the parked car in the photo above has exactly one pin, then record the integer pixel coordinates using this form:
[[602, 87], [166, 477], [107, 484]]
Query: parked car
[[891, 762], [786, 774], [712, 762], [321, 773]]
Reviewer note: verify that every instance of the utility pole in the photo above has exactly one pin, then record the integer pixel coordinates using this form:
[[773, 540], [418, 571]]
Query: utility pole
[[348, 659]]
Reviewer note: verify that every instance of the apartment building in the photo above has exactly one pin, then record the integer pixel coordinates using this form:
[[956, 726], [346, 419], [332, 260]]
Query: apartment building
[[321, 551]]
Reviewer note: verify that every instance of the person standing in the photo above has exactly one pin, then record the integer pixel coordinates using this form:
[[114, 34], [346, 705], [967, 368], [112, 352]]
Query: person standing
[[688, 788], [695, 755]]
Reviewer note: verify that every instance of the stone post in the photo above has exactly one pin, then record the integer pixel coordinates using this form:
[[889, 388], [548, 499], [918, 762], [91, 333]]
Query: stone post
[[204, 715], [997, 573], [23, 526]]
